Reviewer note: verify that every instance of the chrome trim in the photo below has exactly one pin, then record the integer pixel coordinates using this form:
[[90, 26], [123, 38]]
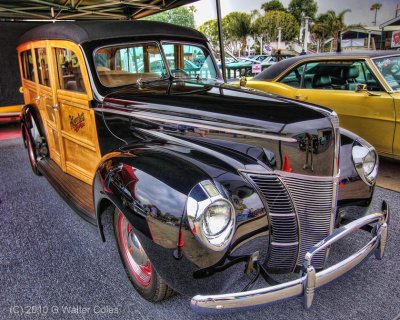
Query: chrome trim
[[149, 116], [10, 114], [310, 280], [195, 211]]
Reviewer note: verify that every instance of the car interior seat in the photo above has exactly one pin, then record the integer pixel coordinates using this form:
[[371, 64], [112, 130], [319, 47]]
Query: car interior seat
[[350, 75], [322, 81]]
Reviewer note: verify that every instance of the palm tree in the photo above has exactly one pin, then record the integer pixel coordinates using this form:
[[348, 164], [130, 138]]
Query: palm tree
[[239, 27], [376, 6], [335, 23]]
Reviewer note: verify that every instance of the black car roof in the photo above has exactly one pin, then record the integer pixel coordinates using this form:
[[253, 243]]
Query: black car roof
[[276, 69], [84, 31]]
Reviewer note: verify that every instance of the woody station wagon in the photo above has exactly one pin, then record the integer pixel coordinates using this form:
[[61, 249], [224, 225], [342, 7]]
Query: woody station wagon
[[210, 185]]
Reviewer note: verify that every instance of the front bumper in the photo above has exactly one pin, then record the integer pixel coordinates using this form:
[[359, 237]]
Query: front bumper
[[310, 280]]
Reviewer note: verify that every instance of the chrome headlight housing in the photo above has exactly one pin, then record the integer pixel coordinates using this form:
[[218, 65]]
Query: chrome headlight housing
[[211, 216], [365, 159]]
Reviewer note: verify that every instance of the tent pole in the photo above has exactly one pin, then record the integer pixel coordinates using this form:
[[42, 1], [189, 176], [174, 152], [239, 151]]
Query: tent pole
[[221, 40]]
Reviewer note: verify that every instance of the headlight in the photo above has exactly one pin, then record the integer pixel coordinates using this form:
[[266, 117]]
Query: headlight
[[211, 217], [217, 218], [365, 161]]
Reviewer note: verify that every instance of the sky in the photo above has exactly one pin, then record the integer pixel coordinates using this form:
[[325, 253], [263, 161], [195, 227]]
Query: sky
[[360, 9]]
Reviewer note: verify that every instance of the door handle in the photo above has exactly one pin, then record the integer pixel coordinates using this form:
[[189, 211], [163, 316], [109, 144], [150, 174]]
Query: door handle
[[300, 97]]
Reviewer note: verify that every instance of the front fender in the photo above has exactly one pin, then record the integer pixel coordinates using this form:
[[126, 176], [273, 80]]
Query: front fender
[[150, 185]]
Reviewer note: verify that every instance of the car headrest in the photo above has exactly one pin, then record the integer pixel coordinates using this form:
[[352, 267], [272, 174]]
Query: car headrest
[[322, 80], [350, 73]]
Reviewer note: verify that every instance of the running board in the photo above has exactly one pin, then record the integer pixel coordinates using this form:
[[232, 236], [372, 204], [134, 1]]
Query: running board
[[76, 193]]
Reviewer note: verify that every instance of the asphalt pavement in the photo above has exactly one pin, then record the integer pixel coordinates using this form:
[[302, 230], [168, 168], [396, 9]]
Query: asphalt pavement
[[53, 264]]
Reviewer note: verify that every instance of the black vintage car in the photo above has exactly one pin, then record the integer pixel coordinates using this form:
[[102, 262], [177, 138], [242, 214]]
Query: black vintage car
[[206, 181]]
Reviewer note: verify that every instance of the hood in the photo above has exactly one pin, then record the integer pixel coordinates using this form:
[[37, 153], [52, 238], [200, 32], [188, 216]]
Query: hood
[[266, 130]]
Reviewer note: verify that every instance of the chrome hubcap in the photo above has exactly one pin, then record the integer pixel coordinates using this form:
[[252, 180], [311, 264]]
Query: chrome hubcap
[[135, 257]]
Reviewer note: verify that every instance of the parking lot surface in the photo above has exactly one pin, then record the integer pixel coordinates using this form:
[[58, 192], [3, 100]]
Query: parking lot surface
[[53, 264]]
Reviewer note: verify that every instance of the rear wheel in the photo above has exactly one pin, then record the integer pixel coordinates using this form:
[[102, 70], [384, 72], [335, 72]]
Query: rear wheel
[[137, 265]]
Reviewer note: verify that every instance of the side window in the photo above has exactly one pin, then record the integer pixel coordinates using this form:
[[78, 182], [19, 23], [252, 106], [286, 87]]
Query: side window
[[367, 77], [69, 71], [293, 78], [27, 65], [42, 66], [338, 75]]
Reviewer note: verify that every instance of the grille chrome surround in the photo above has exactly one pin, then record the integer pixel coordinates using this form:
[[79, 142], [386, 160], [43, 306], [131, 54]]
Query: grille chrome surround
[[302, 209]]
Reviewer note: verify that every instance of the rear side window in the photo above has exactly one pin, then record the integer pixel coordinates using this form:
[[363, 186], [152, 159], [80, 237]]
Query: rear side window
[[27, 65], [69, 71], [42, 66]]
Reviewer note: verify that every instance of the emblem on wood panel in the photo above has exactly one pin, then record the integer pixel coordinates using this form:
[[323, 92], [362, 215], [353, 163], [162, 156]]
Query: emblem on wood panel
[[78, 122]]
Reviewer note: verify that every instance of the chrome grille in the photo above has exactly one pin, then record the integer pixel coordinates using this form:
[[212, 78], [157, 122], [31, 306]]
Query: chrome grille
[[284, 248], [312, 197], [301, 211]]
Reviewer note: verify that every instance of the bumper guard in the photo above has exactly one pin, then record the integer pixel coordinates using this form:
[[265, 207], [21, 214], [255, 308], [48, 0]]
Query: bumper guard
[[310, 280]]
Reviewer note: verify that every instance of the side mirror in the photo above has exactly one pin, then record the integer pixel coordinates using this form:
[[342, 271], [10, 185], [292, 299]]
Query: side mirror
[[361, 87]]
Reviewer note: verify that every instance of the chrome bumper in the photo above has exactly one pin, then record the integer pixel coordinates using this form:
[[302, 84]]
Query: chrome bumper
[[310, 280]]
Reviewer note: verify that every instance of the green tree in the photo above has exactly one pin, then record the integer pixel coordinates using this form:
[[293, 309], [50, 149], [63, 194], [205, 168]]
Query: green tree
[[210, 30], [299, 7], [375, 7], [182, 16], [267, 26], [273, 5], [238, 27]]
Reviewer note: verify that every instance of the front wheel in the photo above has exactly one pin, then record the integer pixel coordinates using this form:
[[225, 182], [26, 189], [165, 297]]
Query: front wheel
[[137, 265]]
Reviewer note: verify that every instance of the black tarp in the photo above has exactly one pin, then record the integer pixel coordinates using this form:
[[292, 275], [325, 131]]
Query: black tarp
[[10, 80]]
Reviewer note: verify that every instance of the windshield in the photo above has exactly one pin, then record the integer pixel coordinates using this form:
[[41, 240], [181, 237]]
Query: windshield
[[141, 62], [127, 64], [189, 61], [389, 67]]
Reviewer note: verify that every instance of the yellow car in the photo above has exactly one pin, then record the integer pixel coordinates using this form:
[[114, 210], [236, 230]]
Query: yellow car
[[363, 88]]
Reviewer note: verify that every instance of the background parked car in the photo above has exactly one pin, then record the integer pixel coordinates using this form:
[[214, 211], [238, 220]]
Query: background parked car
[[363, 88]]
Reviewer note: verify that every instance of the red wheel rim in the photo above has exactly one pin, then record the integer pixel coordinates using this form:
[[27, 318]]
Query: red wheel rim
[[136, 259]]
